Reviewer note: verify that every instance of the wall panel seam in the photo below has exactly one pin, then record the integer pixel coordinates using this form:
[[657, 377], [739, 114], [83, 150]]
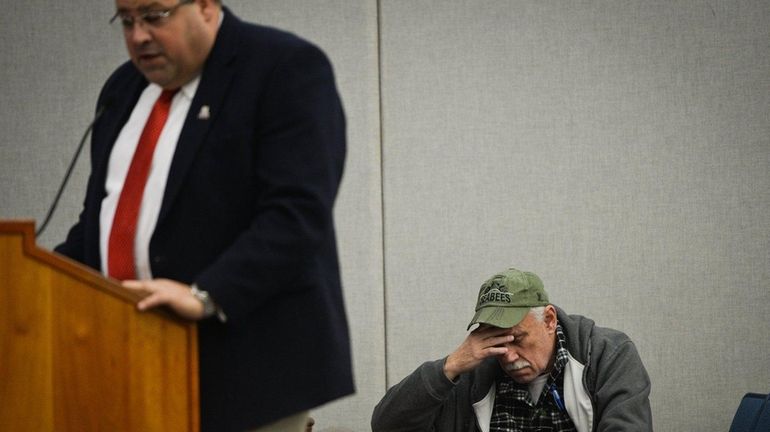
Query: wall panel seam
[[382, 193]]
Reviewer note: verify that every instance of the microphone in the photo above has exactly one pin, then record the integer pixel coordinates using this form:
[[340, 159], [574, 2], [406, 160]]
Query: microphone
[[99, 112]]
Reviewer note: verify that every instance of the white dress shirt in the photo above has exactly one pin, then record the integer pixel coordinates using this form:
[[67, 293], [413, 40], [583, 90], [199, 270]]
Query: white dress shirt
[[120, 160]]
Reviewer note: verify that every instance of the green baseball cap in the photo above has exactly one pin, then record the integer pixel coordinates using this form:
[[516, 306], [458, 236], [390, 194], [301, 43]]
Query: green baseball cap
[[506, 298]]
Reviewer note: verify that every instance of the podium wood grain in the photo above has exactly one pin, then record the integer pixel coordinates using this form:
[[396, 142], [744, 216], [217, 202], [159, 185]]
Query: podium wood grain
[[76, 355]]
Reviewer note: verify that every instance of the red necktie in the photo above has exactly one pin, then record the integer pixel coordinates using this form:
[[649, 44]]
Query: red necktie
[[120, 252]]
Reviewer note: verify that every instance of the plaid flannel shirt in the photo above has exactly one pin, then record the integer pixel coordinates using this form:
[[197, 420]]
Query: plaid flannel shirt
[[515, 411]]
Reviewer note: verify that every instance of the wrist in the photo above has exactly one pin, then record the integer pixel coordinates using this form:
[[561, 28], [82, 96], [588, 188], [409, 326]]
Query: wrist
[[449, 372], [210, 308]]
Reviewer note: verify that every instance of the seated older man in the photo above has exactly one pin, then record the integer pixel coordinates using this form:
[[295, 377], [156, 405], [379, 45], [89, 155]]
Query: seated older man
[[528, 366]]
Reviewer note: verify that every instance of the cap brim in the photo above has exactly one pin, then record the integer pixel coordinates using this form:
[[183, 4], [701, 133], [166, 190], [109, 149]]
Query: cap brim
[[503, 317]]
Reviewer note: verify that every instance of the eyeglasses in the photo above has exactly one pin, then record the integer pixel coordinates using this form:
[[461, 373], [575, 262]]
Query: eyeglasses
[[152, 18]]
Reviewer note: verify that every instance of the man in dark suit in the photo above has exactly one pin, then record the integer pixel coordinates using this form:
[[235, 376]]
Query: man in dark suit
[[227, 218]]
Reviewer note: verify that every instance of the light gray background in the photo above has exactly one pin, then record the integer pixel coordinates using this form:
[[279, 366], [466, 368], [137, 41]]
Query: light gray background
[[621, 150]]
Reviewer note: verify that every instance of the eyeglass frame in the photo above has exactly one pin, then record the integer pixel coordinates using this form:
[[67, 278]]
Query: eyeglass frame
[[157, 16]]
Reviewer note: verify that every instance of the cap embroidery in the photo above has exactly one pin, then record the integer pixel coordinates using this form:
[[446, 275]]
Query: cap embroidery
[[495, 291]]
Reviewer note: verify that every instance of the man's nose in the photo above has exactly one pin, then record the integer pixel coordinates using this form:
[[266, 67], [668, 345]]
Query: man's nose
[[511, 356], [138, 33]]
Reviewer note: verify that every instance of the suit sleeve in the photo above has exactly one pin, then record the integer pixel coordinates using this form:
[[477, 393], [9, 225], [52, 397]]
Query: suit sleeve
[[300, 153], [74, 245]]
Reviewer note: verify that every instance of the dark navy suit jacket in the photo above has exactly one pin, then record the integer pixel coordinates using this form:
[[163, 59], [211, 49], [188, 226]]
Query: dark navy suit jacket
[[247, 215]]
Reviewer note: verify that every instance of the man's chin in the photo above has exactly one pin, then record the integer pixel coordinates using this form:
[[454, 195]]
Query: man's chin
[[154, 73], [521, 376]]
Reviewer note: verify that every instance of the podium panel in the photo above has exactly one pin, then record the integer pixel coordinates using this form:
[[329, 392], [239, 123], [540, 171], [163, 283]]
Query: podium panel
[[76, 355]]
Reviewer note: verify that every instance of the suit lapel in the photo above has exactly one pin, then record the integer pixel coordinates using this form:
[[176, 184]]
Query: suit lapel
[[205, 107]]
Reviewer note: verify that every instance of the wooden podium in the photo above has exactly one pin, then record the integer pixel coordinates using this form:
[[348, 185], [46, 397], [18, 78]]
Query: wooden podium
[[76, 355]]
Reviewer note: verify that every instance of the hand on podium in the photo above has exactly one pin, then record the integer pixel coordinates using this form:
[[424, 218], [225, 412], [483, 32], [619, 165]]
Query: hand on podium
[[167, 292]]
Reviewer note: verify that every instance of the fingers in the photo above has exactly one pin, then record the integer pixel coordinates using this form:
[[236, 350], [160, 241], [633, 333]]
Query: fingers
[[134, 285], [491, 336], [156, 293], [489, 341], [490, 331], [155, 299], [156, 285], [494, 351]]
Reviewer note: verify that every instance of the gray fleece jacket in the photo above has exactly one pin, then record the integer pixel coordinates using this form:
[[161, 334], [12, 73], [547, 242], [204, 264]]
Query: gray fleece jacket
[[606, 388]]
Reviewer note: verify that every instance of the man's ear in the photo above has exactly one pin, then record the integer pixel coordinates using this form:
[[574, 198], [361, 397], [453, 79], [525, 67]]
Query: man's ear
[[209, 9], [549, 316]]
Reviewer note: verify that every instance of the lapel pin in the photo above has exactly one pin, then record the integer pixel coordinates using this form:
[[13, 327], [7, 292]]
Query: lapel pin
[[204, 113]]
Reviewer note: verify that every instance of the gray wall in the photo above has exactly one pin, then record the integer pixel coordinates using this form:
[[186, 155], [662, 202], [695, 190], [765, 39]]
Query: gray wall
[[621, 150]]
